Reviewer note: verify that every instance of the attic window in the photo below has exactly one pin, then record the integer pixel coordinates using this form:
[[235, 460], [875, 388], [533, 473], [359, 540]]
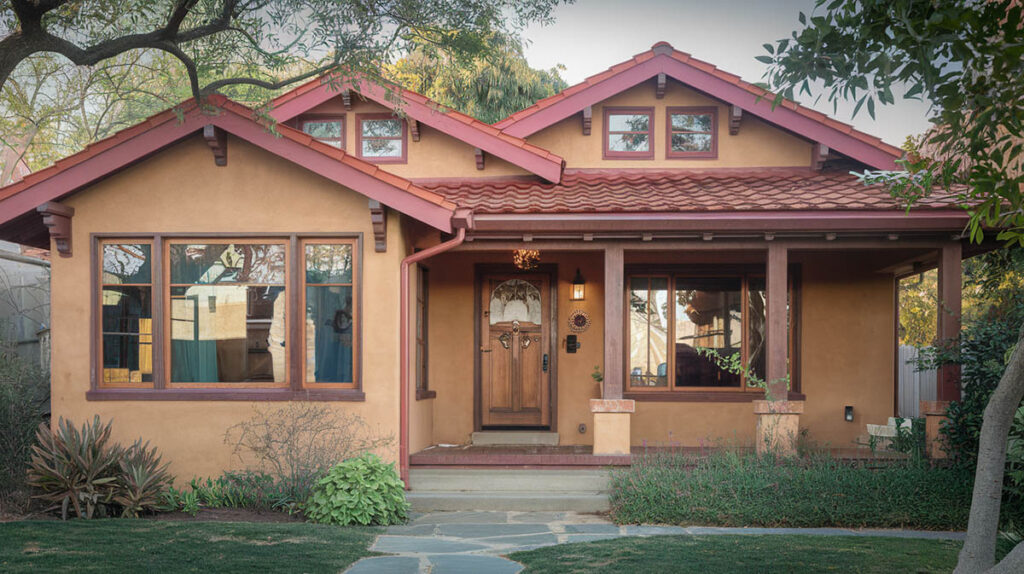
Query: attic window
[[628, 133], [331, 131], [692, 133], [380, 138]]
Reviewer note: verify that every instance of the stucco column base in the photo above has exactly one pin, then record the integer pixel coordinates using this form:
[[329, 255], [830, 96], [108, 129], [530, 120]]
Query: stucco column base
[[778, 426], [611, 425], [934, 414]]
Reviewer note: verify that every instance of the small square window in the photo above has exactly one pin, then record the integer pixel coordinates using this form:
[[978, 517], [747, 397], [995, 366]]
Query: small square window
[[331, 131], [692, 133], [381, 138], [628, 133]]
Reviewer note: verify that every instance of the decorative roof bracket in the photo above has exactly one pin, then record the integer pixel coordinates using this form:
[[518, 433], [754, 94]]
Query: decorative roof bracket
[[479, 153], [217, 139], [659, 92], [57, 218], [346, 99], [588, 113], [414, 129], [379, 219], [735, 117], [819, 155]]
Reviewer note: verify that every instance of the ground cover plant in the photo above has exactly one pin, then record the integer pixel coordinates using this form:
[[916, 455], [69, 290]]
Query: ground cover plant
[[777, 553], [730, 489], [154, 546], [362, 490]]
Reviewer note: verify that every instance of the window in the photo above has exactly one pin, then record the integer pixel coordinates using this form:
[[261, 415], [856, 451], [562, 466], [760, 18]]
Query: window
[[381, 138], [628, 133], [692, 133], [672, 315], [227, 313], [422, 300], [331, 314], [126, 325], [331, 131]]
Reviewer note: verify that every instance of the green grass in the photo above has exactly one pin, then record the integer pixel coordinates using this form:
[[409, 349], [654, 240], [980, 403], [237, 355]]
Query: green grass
[[157, 546], [777, 553]]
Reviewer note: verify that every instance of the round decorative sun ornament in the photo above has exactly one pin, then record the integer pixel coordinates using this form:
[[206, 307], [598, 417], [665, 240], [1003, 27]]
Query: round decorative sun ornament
[[579, 321]]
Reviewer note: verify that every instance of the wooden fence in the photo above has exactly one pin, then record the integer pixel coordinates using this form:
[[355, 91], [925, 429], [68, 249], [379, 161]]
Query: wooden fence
[[915, 386]]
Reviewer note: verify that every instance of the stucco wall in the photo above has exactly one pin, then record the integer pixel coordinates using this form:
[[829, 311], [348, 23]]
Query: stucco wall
[[181, 190], [435, 155], [846, 353], [758, 144]]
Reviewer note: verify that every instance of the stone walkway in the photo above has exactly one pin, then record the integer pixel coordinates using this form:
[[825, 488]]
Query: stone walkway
[[472, 542]]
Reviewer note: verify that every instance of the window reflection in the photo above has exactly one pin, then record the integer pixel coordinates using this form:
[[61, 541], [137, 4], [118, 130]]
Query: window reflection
[[708, 314], [126, 315], [629, 132], [691, 132], [330, 313], [648, 332], [381, 138]]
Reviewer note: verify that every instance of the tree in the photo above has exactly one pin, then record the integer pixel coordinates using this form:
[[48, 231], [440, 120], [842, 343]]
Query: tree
[[965, 57], [266, 44], [489, 87]]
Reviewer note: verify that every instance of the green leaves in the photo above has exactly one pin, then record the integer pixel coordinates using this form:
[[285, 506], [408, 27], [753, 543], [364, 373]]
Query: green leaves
[[362, 490]]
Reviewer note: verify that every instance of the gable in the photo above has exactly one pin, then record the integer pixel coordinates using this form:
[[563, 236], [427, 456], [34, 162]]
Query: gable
[[756, 144], [433, 154]]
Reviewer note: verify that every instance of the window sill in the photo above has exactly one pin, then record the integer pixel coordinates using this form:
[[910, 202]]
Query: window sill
[[702, 396], [126, 394], [422, 394]]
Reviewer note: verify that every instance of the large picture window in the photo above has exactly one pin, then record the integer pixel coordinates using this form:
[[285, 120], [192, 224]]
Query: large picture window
[[674, 315], [126, 306]]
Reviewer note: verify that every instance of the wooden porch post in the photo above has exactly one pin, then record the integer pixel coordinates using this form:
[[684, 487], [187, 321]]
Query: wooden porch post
[[950, 271], [612, 413], [778, 322], [613, 322]]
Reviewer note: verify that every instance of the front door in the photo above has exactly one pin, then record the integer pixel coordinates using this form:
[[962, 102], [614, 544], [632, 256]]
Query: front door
[[514, 351]]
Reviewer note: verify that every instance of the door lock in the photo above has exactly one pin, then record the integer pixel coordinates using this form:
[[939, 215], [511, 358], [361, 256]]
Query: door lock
[[544, 363]]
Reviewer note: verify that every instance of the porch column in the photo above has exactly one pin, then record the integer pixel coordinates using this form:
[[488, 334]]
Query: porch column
[[947, 385], [778, 418], [611, 412]]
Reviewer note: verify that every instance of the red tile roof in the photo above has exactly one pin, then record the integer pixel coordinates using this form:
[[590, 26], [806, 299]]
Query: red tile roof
[[648, 191], [664, 50]]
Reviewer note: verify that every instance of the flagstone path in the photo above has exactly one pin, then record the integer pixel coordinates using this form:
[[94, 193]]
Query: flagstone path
[[473, 542]]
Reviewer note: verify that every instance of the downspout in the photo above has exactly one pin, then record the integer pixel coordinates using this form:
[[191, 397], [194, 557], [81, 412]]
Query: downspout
[[462, 220]]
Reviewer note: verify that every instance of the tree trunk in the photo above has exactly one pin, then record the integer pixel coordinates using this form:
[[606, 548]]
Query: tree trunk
[[978, 554]]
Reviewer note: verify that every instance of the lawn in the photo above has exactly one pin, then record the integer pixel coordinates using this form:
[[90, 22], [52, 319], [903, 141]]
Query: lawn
[[711, 554], [165, 547]]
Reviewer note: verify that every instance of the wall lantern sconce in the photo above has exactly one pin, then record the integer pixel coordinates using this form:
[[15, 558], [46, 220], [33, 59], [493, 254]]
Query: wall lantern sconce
[[578, 287], [848, 413]]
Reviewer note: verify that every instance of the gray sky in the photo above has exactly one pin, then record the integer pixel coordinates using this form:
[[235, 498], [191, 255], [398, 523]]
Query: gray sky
[[591, 35]]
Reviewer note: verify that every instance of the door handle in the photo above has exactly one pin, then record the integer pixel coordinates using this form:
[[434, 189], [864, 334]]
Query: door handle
[[483, 350], [544, 363]]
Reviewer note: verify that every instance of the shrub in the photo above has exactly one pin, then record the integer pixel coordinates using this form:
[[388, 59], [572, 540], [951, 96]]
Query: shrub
[[728, 489], [297, 443], [362, 490], [24, 394], [85, 471], [249, 490]]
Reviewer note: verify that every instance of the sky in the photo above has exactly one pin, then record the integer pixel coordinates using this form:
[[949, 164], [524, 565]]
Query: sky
[[592, 35]]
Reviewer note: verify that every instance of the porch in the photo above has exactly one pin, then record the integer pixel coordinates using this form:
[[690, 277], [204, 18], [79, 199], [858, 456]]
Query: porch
[[607, 393]]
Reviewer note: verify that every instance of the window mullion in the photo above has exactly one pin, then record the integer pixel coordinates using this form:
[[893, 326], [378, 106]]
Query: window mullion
[[295, 317], [160, 323]]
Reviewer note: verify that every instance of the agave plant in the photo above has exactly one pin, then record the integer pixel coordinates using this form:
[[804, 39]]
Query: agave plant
[[75, 469], [143, 479]]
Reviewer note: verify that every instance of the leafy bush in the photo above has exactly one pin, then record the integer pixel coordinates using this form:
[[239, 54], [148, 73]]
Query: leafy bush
[[728, 489], [250, 490], [83, 470], [24, 394], [362, 490], [296, 444]]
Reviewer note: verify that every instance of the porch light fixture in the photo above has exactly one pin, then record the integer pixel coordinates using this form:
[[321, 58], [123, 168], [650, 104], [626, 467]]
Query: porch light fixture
[[848, 413], [579, 286]]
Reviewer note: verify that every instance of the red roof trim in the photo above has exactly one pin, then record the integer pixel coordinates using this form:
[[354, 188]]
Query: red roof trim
[[418, 107], [131, 145], [706, 78]]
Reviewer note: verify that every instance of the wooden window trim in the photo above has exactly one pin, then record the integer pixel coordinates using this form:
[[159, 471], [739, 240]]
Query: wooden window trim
[[691, 110], [743, 393], [357, 319], [325, 118], [635, 110], [404, 139], [423, 344], [234, 391], [96, 295]]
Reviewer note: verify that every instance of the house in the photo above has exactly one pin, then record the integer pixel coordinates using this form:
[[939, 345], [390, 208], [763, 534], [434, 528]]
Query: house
[[365, 255]]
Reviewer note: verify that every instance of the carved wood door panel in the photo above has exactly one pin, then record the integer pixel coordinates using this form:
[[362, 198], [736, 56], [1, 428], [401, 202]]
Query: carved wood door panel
[[515, 342]]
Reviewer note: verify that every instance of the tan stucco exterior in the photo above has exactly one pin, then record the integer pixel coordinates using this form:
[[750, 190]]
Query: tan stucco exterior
[[758, 144], [181, 191]]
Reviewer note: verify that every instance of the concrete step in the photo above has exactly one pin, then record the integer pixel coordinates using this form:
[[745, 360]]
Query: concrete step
[[506, 438], [438, 501], [508, 481]]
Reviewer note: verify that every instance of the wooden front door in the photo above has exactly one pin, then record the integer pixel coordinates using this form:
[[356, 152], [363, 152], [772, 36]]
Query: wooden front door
[[515, 343]]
